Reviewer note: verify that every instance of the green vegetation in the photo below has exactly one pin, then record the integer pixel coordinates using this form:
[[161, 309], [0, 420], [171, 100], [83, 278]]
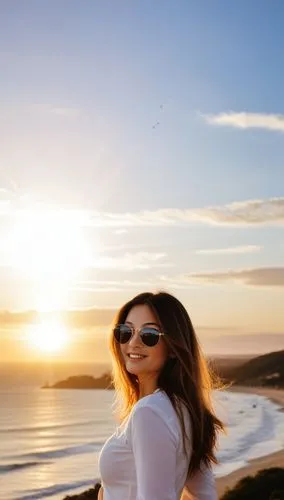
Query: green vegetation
[[267, 484], [91, 494]]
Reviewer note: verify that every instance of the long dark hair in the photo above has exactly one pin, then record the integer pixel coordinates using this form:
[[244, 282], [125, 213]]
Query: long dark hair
[[185, 377]]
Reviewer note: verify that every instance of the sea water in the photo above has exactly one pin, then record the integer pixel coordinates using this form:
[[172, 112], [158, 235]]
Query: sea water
[[50, 439]]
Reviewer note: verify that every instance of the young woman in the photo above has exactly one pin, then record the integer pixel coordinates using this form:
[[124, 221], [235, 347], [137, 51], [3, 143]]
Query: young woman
[[165, 445]]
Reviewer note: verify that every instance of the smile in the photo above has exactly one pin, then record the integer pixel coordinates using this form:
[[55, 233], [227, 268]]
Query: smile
[[136, 356]]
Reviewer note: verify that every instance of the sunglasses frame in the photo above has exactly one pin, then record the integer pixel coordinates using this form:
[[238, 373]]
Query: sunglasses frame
[[138, 330]]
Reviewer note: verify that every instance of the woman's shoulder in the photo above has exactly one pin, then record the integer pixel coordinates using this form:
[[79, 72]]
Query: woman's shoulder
[[154, 411], [158, 400], [160, 404]]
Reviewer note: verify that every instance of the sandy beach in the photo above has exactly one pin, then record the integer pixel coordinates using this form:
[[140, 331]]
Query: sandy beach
[[273, 460]]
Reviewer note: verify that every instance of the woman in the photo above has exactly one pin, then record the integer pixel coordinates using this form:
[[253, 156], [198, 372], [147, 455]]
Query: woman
[[165, 445]]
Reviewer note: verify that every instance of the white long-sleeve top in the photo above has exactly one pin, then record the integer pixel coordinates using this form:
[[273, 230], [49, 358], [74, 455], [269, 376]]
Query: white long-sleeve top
[[144, 459]]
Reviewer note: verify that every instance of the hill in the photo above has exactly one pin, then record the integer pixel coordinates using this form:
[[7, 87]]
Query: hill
[[265, 371], [83, 382]]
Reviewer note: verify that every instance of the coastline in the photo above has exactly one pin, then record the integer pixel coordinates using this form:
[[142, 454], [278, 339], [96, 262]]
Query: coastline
[[273, 460]]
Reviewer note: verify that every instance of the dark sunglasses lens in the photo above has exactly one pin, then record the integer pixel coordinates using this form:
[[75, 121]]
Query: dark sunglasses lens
[[150, 336], [122, 334]]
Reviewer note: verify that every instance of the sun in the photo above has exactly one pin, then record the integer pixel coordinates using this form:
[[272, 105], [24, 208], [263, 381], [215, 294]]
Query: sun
[[48, 337]]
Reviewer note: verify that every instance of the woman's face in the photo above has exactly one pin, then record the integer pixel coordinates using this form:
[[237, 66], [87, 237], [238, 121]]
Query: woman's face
[[155, 357]]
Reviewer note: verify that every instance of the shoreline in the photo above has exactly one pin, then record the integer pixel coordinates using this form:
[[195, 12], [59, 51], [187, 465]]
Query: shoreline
[[275, 459]]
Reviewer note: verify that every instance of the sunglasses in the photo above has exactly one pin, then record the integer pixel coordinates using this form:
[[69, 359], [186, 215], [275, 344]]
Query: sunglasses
[[149, 335]]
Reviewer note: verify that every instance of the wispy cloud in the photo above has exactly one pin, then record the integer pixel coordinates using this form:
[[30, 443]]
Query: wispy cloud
[[258, 277], [131, 261], [67, 112], [53, 109], [230, 250], [113, 285], [243, 213], [245, 120], [77, 318], [253, 212], [166, 283], [119, 232], [179, 282]]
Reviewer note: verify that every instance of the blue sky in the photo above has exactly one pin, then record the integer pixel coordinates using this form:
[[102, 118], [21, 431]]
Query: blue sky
[[112, 109]]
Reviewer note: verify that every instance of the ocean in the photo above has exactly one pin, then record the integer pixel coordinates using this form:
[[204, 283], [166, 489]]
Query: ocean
[[50, 439]]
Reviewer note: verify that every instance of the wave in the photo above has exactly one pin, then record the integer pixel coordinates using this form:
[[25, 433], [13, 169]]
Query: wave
[[13, 467], [258, 430], [63, 452], [40, 428], [55, 489]]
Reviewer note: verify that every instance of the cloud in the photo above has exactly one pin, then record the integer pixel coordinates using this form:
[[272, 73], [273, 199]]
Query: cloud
[[118, 232], [253, 212], [247, 120], [179, 282], [243, 213], [164, 283], [67, 112], [249, 212], [131, 261], [257, 277], [112, 285], [230, 250], [244, 343], [77, 318]]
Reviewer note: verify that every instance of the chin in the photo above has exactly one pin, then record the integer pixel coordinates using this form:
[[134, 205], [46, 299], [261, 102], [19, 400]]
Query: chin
[[133, 370]]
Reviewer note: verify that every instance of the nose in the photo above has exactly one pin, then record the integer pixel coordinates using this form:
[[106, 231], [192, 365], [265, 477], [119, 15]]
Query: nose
[[135, 339]]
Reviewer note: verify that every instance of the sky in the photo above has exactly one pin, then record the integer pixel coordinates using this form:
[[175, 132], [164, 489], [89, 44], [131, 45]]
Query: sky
[[141, 148]]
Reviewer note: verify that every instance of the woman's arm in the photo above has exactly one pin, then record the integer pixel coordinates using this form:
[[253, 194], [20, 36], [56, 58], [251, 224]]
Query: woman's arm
[[101, 494], [200, 486], [154, 448]]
